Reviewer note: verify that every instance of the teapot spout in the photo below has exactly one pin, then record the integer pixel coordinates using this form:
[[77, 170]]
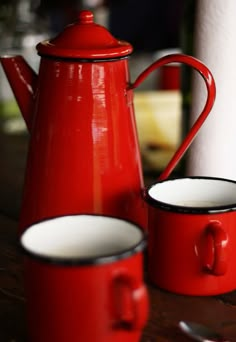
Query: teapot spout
[[23, 81]]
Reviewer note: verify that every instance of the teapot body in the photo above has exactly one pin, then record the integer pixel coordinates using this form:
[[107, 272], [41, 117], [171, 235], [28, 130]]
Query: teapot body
[[84, 153]]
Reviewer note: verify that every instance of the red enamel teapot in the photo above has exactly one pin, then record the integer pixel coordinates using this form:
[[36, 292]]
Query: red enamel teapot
[[84, 153]]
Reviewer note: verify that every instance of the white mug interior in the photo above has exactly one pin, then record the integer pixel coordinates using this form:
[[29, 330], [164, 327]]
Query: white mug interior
[[81, 237], [195, 192]]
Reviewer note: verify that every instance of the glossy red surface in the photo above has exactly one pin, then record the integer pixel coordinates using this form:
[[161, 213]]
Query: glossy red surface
[[85, 39], [66, 304], [192, 254], [211, 93], [218, 249], [84, 155]]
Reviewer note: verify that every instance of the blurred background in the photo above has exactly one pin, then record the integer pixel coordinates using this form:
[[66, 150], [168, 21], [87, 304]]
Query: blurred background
[[154, 28]]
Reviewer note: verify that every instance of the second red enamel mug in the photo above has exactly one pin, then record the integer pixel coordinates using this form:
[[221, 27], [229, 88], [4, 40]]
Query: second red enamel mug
[[192, 235]]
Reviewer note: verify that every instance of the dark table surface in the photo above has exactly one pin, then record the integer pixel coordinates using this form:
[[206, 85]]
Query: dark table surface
[[166, 309]]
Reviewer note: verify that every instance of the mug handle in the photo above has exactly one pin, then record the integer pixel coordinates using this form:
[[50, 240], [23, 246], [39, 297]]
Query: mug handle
[[211, 93], [130, 303], [216, 240]]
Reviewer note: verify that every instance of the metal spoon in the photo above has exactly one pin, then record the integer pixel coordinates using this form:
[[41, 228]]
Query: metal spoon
[[199, 332]]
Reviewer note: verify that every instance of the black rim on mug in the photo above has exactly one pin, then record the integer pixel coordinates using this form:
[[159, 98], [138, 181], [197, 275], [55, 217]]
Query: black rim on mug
[[82, 239], [196, 195]]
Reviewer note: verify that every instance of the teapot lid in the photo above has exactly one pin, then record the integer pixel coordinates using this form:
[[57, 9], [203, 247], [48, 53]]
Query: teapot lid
[[85, 39]]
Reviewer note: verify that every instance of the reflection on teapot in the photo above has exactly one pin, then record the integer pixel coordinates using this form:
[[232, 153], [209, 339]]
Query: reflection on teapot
[[84, 154]]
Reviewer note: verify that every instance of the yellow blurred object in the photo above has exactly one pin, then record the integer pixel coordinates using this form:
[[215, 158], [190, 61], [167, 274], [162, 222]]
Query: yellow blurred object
[[158, 117]]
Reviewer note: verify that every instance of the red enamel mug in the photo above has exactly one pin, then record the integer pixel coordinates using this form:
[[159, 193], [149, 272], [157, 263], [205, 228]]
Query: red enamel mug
[[192, 236], [84, 280]]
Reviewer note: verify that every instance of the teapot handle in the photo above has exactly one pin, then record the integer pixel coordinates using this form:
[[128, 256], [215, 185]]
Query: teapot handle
[[211, 93]]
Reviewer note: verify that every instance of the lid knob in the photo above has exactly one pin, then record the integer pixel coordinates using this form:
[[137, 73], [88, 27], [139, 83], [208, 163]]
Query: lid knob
[[86, 40], [86, 17]]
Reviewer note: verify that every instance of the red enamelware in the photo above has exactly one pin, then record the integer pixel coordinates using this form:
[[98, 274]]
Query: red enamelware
[[192, 237], [84, 154], [95, 293]]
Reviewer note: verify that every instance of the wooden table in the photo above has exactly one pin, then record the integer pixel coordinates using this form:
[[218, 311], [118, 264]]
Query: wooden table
[[166, 309]]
